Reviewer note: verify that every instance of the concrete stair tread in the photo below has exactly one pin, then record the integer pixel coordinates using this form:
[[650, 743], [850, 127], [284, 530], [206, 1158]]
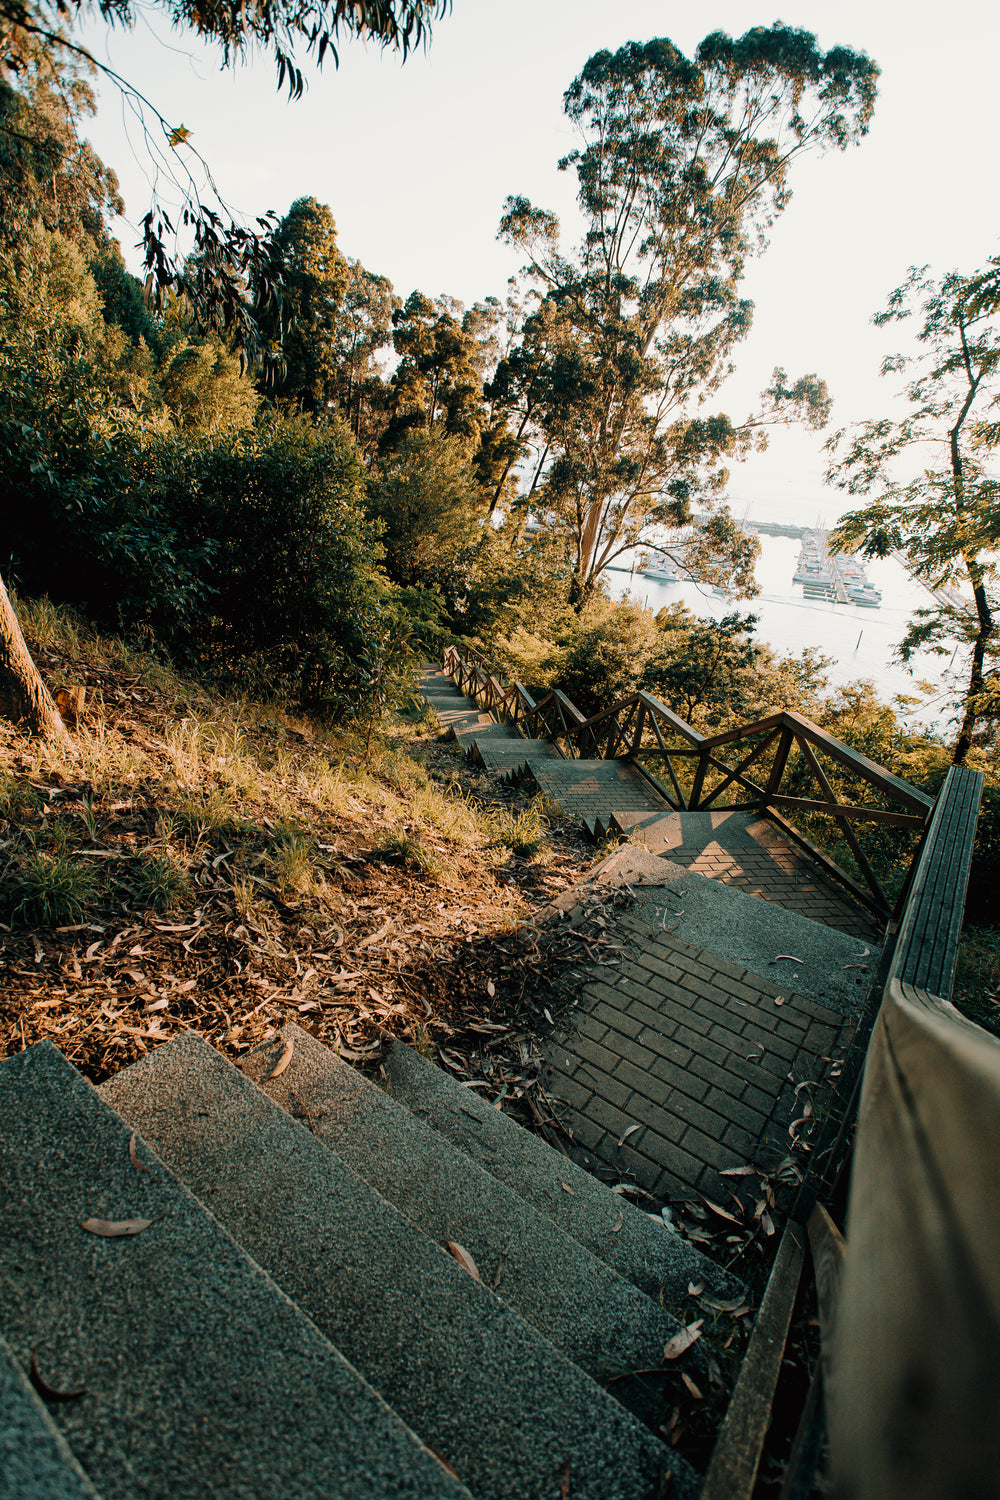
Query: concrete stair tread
[[35, 1460], [482, 729], [512, 755], [729, 829], [486, 1391], [648, 1255], [761, 937], [200, 1377], [594, 1317]]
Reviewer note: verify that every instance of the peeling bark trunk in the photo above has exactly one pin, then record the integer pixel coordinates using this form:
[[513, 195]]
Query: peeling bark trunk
[[24, 698]]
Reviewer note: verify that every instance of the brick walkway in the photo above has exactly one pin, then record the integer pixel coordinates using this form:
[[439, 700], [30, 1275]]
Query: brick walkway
[[677, 1064], [747, 851], [688, 1055]]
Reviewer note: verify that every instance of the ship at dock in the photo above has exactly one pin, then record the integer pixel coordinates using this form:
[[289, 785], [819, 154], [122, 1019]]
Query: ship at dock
[[832, 577]]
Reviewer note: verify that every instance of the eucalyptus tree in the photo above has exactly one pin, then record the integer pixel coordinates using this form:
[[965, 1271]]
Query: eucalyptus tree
[[683, 166], [935, 501]]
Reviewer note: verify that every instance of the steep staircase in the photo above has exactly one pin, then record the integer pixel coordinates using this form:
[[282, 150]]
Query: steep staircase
[[735, 982], [285, 1317], [288, 1281]]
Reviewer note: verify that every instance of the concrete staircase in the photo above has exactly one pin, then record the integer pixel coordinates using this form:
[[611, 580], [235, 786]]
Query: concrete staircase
[[289, 1321]]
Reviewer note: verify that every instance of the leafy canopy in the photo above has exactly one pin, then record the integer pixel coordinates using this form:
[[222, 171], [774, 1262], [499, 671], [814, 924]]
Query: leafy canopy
[[683, 167], [934, 495]]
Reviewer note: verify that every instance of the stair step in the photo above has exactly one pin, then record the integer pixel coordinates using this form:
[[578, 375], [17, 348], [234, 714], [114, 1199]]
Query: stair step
[[592, 1315], [762, 938], [509, 756], [200, 1377], [487, 1392], [482, 729], [35, 1460], [596, 788], [647, 1254]]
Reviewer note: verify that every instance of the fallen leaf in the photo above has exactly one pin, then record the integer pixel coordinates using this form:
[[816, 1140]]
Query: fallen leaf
[[618, 1224], [548, 1016], [446, 1466], [44, 1389], [132, 1156], [630, 1131], [692, 1387], [695, 1288], [283, 1060], [790, 956], [756, 1056], [722, 1212], [491, 988], [739, 1172], [767, 1223], [114, 1229], [779, 999], [720, 1306], [375, 936], [683, 1340], [566, 1187], [464, 1259], [147, 1010]]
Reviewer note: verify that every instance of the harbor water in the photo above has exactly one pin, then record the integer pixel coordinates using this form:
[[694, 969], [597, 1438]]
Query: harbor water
[[861, 641]]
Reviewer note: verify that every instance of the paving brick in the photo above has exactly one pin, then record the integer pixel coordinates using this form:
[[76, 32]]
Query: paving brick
[[736, 1138], [672, 1159], [618, 1020], [693, 1113], [713, 1153], [591, 1026], [587, 1132], [615, 1121], [615, 1091], [595, 1053], [666, 989], [639, 1056], [647, 1085], [666, 1048], [655, 964], [738, 1111], [754, 1033]]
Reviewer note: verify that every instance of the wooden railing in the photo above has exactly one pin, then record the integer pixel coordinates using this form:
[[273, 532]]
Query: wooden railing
[[913, 1344], [776, 758], [907, 1384]]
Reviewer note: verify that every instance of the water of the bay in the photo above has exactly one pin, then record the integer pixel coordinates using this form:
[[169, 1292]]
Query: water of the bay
[[860, 641]]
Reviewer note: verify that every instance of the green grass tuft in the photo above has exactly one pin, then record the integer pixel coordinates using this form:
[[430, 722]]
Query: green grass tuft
[[50, 890], [157, 884]]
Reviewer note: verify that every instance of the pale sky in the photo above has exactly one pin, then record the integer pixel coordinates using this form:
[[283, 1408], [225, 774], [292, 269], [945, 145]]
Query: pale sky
[[416, 160]]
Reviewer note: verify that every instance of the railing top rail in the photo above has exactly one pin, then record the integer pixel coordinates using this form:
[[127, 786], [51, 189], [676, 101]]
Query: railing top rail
[[926, 947], [853, 760]]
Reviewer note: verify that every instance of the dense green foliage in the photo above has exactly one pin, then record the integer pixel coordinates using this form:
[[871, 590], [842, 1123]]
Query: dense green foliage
[[933, 493]]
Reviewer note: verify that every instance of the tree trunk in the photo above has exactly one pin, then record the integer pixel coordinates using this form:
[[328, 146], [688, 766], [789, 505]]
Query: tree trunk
[[24, 698]]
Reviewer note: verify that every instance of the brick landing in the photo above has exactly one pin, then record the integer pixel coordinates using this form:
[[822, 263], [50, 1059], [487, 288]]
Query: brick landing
[[695, 1053], [751, 853]]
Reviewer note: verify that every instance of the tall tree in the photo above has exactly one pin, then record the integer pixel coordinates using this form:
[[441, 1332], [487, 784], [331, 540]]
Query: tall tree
[[934, 500], [302, 326], [445, 352], [683, 166]]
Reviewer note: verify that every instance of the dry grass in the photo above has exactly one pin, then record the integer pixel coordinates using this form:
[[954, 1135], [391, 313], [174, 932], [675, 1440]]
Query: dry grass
[[224, 865]]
